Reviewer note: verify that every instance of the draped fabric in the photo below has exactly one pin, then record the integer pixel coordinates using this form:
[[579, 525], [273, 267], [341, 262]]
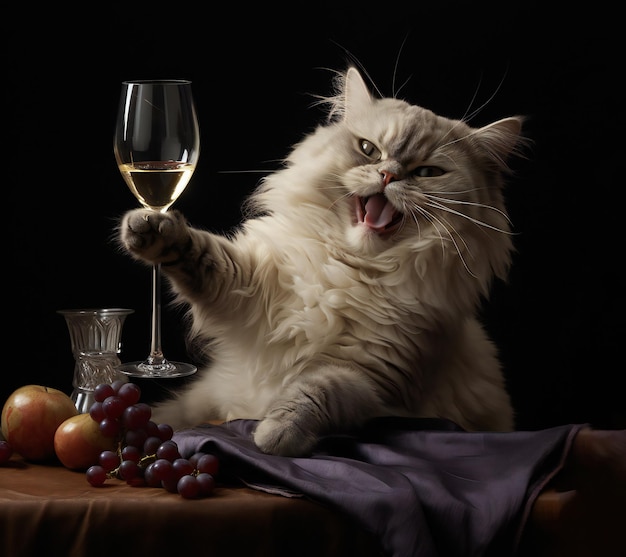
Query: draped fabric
[[423, 487]]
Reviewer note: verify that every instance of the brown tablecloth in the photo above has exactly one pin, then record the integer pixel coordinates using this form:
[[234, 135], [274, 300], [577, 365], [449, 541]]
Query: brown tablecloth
[[50, 511]]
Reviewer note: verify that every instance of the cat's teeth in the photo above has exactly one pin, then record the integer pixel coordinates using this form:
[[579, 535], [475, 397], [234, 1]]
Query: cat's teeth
[[359, 204]]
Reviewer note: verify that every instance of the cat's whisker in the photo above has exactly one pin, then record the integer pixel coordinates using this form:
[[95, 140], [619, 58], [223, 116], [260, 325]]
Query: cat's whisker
[[417, 223], [465, 117], [429, 218], [478, 110], [473, 204], [454, 192], [395, 92], [245, 171], [456, 245], [450, 158], [470, 113], [478, 222], [425, 214], [344, 196], [453, 141], [331, 187], [450, 231]]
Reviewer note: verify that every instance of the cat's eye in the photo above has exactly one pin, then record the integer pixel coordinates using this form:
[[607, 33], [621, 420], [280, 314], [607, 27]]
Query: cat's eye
[[368, 148], [428, 171]]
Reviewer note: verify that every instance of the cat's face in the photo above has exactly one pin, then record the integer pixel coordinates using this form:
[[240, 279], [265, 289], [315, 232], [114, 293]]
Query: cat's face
[[416, 178]]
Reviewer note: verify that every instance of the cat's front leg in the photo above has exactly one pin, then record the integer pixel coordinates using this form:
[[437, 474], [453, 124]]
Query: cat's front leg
[[331, 398], [154, 237]]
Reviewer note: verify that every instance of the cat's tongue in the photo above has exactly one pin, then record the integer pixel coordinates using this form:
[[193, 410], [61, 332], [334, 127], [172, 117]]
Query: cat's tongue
[[378, 212]]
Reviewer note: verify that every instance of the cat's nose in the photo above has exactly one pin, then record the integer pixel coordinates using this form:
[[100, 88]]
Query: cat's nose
[[388, 177]]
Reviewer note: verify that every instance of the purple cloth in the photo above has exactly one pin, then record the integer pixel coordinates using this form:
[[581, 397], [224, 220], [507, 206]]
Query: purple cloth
[[425, 488]]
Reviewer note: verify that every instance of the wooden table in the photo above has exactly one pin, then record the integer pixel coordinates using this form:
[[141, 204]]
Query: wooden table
[[51, 511]]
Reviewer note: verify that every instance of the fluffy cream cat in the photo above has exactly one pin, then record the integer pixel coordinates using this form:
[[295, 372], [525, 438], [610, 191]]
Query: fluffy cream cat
[[351, 290]]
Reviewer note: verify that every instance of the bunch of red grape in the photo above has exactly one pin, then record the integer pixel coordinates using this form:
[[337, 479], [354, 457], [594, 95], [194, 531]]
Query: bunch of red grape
[[146, 454]]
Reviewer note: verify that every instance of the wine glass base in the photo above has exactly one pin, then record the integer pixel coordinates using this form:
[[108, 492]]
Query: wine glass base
[[165, 370]]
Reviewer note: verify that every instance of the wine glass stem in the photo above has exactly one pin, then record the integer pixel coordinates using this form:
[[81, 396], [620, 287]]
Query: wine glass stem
[[156, 354]]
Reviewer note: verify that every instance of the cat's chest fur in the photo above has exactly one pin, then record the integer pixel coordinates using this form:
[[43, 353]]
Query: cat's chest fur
[[328, 302], [304, 306]]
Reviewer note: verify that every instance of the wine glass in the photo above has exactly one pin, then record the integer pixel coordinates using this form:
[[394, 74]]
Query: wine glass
[[156, 146]]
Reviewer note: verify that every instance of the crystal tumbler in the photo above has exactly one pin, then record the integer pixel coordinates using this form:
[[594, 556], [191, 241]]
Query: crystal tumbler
[[95, 335]]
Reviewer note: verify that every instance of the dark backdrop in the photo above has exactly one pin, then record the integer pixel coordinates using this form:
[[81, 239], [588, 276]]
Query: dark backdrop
[[558, 322]]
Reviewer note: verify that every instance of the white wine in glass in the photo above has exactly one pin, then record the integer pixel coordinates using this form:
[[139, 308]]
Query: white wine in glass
[[157, 145]]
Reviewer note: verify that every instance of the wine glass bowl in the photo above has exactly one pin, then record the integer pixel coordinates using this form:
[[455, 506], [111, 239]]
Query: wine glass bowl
[[156, 146], [157, 184]]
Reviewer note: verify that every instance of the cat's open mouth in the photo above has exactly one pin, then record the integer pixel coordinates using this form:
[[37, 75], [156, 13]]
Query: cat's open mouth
[[377, 213]]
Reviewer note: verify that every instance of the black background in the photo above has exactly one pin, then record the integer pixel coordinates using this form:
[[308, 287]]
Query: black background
[[559, 320]]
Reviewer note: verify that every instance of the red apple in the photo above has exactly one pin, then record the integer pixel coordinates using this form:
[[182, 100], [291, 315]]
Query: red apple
[[31, 416], [78, 442]]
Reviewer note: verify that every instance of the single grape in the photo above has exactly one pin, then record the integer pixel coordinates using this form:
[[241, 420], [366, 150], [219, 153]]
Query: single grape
[[208, 463], [113, 406], [109, 427], [168, 450], [188, 487], [206, 484], [151, 445], [162, 470], [150, 476], [5, 451], [102, 391], [166, 432], [109, 460], [136, 416], [152, 429], [129, 470], [96, 411], [96, 475], [117, 385], [182, 467], [130, 452], [130, 393], [194, 458]]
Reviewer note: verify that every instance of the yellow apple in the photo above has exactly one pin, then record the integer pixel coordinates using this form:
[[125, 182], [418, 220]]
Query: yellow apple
[[78, 442], [30, 418]]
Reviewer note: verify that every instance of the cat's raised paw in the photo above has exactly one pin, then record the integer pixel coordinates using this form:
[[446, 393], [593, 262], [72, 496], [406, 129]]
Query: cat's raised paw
[[151, 235]]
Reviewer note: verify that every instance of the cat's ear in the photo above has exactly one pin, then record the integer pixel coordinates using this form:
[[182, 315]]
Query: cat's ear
[[355, 92], [501, 139]]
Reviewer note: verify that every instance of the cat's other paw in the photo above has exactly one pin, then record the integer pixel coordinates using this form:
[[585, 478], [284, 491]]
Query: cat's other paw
[[153, 236], [284, 437]]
